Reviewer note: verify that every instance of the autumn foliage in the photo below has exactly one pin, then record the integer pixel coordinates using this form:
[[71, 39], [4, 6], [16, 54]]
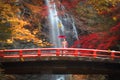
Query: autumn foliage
[[16, 18], [100, 40], [31, 13]]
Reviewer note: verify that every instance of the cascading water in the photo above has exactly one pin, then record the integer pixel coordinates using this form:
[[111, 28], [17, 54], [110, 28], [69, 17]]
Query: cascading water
[[60, 25], [54, 21], [74, 29]]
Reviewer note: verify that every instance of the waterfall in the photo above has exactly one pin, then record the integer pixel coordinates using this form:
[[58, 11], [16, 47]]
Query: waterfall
[[60, 25], [74, 29], [54, 21]]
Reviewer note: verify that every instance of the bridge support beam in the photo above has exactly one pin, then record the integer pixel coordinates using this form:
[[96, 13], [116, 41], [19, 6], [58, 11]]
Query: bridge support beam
[[61, 66]]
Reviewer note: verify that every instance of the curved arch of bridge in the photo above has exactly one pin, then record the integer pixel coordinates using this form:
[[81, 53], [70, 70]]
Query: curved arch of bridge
[[74, 52]]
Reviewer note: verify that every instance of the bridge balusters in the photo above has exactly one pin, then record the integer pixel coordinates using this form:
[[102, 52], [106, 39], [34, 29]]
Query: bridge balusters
[[76, 53], [17, 53], [113, 55], [57, 52], [94, 54], [21, 53], [1, 53], [39, 53]]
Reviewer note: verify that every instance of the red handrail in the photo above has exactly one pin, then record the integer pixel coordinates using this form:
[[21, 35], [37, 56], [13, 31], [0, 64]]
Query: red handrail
[[75, 52]]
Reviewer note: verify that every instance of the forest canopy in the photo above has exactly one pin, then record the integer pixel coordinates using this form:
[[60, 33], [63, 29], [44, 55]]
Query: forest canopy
[[97, 22]]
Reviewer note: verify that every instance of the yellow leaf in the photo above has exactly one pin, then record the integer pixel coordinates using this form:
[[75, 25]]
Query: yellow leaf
[[9, 41], [115, 18], [22, 59]]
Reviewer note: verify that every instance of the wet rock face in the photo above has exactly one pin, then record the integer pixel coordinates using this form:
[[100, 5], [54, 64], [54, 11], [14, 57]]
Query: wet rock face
[[89, 77], [60, 77], [42, 77], [32, 77]]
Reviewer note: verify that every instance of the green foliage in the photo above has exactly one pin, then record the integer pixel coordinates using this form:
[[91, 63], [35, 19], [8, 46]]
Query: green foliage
[[5, 32]]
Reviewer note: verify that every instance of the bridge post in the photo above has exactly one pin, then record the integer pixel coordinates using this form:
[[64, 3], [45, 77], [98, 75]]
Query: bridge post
[[57, 52], [112, 54], [21, 53], [39, 53], [76, 53], [2, 53], [94, 54]]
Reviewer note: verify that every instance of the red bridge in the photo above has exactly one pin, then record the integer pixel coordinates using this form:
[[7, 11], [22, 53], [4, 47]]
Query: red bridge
[[60, 60]]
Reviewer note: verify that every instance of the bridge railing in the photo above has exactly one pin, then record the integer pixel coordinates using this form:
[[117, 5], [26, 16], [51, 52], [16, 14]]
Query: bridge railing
[[75, 52]]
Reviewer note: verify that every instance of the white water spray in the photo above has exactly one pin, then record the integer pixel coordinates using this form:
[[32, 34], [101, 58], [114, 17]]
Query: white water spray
[[67, 25], [65, 22], [74, 29], [54, 21]]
